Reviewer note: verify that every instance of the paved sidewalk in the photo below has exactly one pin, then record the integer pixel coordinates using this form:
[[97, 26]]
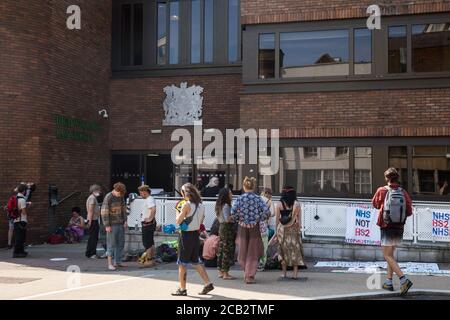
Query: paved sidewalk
[[36, 277]]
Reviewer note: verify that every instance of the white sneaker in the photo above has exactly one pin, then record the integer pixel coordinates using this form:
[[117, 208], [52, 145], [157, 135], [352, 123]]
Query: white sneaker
[[93, 257], [111, 268]]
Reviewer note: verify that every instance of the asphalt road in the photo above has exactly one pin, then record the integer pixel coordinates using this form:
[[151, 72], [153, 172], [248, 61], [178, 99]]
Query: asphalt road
[[37, 277]]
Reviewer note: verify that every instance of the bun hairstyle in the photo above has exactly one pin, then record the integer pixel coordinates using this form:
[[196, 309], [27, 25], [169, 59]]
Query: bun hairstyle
[[249, 183], [391, 175]]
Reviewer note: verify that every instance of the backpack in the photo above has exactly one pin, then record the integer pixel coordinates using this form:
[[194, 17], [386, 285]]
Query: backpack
[[12, 208], [285, 214], [56, 239], [394, 209]]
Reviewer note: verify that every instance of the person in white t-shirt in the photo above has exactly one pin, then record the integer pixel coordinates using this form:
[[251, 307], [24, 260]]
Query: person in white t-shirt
[[148, 222]]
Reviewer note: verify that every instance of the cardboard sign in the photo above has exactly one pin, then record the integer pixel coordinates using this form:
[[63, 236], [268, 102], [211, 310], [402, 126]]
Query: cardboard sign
[[440, 223], [362, 225]]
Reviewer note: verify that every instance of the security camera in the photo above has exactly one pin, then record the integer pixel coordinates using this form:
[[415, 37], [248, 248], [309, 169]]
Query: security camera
[[103, 113]]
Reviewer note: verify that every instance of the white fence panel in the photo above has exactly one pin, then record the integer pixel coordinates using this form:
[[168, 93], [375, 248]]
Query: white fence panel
[[424, 217], [328, 219], [408, 234], [136, 211], [321, 217]]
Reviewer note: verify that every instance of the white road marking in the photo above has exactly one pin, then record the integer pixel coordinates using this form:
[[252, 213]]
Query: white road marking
[[50, 293]]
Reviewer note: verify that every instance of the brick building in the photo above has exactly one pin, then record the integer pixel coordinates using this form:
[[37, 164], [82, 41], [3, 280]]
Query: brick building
[[348, 101]]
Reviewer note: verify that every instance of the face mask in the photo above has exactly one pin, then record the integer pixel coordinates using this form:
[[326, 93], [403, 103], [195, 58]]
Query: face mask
[[96, 194]]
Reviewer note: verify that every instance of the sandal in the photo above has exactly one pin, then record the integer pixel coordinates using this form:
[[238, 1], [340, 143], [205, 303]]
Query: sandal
[[207, 289], [229, 278], [250, 280], [180, 292]]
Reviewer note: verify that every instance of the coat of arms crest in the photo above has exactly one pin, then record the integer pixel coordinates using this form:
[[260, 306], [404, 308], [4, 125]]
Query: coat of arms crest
[[182, 105]]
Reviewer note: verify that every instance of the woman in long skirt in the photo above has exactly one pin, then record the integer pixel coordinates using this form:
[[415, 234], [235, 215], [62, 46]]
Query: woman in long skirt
[[248, 210], [288, 217]]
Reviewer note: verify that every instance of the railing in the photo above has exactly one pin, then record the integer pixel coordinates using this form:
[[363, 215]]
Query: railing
[[321, 218]]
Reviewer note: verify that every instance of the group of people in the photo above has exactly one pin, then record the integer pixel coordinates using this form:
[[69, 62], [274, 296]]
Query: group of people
[[243, 223], [251, 213]]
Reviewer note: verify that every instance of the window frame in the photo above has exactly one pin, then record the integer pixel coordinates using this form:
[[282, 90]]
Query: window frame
[[378, 79], [220, 64], [350, 52]]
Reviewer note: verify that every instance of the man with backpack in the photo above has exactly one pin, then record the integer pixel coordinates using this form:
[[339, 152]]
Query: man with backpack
[[395, 206], [31, 187], [17, 212]]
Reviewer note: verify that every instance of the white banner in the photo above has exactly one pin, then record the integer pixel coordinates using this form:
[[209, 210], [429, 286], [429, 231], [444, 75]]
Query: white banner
[[362, 225], [440, 223]]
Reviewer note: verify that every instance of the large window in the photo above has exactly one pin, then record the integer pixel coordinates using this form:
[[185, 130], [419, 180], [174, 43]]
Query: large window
[[162, 33], [324, 174], [363, 51], [431, 47], [233, 30], [266, 56], [431, 169], [313, 54], [341, 55], [159, 36], [174, 31], [398, 51], [131, 36], [363, 170], [398, 158], [209, 31], [196, 31]]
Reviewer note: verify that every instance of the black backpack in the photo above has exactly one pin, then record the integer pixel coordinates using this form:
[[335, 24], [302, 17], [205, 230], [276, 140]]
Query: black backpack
[[285, 214]]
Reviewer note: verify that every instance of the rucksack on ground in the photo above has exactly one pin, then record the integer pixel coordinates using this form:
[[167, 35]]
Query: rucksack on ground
[[394, 209], [12, 208]]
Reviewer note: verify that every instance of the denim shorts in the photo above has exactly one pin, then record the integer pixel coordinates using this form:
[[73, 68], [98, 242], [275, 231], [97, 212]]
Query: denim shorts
[[11, 223], [391, 237]]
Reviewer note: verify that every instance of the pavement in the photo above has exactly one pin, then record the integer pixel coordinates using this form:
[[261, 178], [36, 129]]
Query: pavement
[[78, 278]]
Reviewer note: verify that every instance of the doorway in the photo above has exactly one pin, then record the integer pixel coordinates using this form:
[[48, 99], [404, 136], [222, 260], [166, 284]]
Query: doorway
[[159, 172]]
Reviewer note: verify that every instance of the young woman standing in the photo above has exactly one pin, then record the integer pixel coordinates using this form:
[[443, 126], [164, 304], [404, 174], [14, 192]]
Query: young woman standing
[[189, 240]]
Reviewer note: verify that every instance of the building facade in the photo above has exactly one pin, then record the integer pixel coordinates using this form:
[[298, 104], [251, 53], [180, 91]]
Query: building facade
[[348, 101]]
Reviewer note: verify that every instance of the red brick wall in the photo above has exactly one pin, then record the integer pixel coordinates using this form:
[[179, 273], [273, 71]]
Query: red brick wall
[[273, 11], [47, 69], [350, 114], [137, 108]]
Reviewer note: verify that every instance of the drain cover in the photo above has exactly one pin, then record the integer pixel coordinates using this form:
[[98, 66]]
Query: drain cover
[[10, 280]]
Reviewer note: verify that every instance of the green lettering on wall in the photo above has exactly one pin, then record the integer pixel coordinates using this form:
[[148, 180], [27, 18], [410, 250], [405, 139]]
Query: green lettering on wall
[[75, 129]]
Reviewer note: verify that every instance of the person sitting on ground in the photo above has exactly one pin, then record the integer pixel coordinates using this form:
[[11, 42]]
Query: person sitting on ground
[[210, 249], [75, 229]]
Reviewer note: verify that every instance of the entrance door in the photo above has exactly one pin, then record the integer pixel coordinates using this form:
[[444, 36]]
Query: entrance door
[[160, 172], [126, 169]]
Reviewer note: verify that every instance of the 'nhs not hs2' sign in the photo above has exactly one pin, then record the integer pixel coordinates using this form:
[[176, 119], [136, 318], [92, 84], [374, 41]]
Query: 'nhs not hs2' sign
[[441, 221]]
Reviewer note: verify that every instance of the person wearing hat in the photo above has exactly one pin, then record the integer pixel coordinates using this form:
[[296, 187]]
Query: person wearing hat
[[148, 225]]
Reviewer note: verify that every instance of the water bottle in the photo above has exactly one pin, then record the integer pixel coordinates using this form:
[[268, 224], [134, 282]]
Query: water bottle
[[136, 225], [142, 180]]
